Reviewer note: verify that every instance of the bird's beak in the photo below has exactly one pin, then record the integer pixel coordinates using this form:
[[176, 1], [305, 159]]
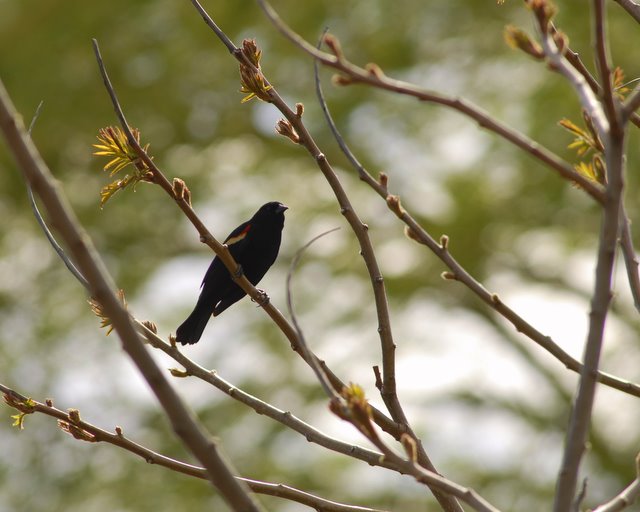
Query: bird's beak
[[281, 208]]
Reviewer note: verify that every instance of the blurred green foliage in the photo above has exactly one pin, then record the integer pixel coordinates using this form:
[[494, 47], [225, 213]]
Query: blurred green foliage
[[490, 406]]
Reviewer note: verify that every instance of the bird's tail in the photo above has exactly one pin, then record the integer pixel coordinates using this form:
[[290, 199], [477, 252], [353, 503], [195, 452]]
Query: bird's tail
[[192, 328]]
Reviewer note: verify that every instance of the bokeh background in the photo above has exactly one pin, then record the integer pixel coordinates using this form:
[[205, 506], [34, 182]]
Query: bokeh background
[[490, 406]]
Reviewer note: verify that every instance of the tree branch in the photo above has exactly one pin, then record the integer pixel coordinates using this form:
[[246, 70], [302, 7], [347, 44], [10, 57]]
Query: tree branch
[[632, 8], [373, 76], [286, 418], [90, 265], [392, 427], [458, 272], [611, 130], [359, 228], [71, 423], [626, 497]]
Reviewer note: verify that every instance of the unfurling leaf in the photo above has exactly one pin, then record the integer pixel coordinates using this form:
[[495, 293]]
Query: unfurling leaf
[[97, 309], [286, 129], [619, 86], [252, 81], [518, 39], [24, 406], [114, 144]]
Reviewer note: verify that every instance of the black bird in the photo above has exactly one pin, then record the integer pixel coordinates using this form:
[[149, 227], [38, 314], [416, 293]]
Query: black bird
[[254, 245]]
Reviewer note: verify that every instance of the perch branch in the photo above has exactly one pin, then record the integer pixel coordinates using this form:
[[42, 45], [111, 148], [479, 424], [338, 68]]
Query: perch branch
[[393, 427]]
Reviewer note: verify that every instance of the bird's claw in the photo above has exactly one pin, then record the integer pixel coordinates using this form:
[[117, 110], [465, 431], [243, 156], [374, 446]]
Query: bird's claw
[[262, 298]]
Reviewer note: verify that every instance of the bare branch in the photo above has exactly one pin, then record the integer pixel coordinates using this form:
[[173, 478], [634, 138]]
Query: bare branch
[[626, 498], [72, 423], [307, 354], [611, 105], [630, 257], [286, 418], [102, 289], [612, 132], [375, 78], [458, 273]]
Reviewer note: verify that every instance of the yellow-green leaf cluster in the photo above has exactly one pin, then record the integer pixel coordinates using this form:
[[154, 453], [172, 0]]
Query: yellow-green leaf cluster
[[98, 310], [113, 143], [587, 140]]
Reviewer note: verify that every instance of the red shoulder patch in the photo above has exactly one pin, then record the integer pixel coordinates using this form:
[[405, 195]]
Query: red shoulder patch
[[240, 236]]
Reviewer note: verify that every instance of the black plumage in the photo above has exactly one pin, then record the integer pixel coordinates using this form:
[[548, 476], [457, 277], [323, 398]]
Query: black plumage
[[254, 245]]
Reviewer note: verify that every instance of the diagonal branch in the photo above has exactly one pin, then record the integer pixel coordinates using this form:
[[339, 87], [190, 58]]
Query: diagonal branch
[[184, 423], [359, 228], [395, 428]]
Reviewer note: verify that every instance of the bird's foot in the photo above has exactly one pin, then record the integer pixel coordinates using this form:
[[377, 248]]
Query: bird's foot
[[262, 299], [239, 272]]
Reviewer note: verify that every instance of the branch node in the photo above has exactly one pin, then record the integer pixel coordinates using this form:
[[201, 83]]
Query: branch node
[[449, 276], [286, 129], [412, 234], [374, 70], [180, 191], [378, 376]]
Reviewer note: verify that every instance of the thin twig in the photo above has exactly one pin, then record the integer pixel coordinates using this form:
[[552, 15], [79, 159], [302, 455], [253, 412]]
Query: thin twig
[[373, 76], [626, 498], [43, 225], [601, 51], [574, 59], [447, 502], [72, 423], [317, 369], [630, 257], [102, 288]]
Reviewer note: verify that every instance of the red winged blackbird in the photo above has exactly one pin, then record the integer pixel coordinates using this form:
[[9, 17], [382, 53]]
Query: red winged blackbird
[[254, 245]]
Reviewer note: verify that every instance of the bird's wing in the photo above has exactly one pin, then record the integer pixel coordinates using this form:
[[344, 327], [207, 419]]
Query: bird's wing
[[238, 234]]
